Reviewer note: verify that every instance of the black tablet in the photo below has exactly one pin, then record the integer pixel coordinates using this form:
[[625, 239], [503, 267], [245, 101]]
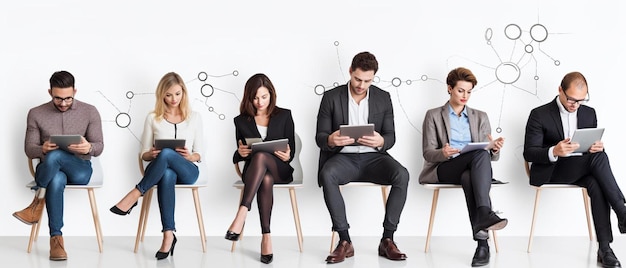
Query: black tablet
[[159, 144], [65, 140]]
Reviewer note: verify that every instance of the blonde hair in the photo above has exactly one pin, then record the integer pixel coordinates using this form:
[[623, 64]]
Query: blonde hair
[[167, 81]]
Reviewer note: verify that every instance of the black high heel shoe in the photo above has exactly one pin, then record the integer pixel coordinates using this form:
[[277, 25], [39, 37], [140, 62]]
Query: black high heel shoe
[[267, 258], [118, 211], [162, 255], [232, 236]]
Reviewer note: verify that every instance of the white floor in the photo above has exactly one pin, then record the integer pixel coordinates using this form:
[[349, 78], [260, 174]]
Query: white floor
[[571, 252]]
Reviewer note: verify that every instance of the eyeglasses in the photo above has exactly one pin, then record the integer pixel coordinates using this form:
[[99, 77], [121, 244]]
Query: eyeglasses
[[60, 100], [575, 101]]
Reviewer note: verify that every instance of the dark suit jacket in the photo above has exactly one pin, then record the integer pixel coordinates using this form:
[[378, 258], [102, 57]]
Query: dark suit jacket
[[333, 112], [280, 126], [544, 129], [436, 133]]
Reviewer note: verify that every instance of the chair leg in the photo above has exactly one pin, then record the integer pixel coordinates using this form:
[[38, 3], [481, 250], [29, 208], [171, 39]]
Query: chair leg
[[146, 213], [532, 225], [296, 215], [234, 244], [495, 240], [333, 238], [196, 201], [96, 218], [385, 195], [142, 218], [433, 210], [587, 213], [33, 235]]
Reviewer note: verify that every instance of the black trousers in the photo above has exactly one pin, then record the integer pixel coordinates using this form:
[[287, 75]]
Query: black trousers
[[473, 172], [366, 167], [593, 171]]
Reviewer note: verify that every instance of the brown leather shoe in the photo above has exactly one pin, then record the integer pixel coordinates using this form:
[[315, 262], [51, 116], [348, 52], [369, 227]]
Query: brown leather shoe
[[31, 214], [388, 249], [343, 250], [57, 250]]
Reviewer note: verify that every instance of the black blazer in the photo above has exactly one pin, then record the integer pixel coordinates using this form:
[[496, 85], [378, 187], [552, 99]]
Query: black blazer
[[544, 129], [280, 126], [333, 112]]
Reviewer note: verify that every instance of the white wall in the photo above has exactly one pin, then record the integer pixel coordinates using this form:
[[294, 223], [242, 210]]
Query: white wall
[[126, 46]]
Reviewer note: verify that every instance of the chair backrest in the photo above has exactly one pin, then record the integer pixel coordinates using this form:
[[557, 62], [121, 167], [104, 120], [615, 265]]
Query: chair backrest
[[97, 176], [298, 175]]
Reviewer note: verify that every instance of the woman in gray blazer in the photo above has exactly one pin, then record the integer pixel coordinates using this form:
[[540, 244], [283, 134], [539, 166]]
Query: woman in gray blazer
[[446, 130]]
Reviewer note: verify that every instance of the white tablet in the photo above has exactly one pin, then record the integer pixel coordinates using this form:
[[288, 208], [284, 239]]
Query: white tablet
[[174, 144], [356, 131], [586, 137], [65, 140], [473, 146], [270, 146]]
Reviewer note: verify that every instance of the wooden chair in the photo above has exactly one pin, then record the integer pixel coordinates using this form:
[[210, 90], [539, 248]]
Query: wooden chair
[[538, 190], [295, 184], [385, 194], [147, 200], [96, 181], [436, 187]]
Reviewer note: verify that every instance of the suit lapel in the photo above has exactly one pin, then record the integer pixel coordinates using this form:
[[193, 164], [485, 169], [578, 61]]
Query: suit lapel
[[343, 97], [556, 117]]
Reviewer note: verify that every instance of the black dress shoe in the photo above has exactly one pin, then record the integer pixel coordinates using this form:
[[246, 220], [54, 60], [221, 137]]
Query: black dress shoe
[[608, 259], [267, 258], [491, 221], [481, 256], [232, 236], [118, 211]]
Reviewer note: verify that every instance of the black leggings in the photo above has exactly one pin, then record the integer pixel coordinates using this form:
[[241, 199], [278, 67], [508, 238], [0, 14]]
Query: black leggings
[[259, 177]]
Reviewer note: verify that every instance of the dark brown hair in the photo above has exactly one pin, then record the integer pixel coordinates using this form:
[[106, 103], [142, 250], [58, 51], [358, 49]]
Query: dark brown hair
[[365, 61], [249, 93], [62, 79]]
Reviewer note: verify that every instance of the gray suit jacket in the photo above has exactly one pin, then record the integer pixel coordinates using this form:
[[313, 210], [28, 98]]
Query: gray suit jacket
[[436, 133]]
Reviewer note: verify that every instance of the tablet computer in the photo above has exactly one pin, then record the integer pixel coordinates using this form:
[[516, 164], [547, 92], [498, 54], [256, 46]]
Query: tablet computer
[[270, 146], [356, 131], [65, 140], [586, 137], [473, 146], [250, 141], [174, 144]]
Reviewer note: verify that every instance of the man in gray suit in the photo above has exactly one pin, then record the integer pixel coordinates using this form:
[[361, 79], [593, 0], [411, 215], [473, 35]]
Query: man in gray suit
[[344, 159]]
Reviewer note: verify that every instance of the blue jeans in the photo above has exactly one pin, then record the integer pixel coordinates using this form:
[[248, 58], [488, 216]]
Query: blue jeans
[[166, 170], [57, 169]]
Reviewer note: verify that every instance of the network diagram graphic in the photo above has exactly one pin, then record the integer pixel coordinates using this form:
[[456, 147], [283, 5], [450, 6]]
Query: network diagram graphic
[[521, 62], [206, 90]]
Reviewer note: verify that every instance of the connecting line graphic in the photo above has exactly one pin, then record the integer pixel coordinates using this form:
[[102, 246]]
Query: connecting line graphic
[[207, 90], [511, 68], [123, 118], [319, 89], [396, 83]]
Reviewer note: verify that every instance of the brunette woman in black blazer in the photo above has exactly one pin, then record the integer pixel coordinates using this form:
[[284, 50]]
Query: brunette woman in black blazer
[[261, 118]]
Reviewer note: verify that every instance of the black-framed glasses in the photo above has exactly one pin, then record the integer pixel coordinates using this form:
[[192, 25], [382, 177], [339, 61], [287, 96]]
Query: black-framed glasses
[[571, 100], [60, 100]]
